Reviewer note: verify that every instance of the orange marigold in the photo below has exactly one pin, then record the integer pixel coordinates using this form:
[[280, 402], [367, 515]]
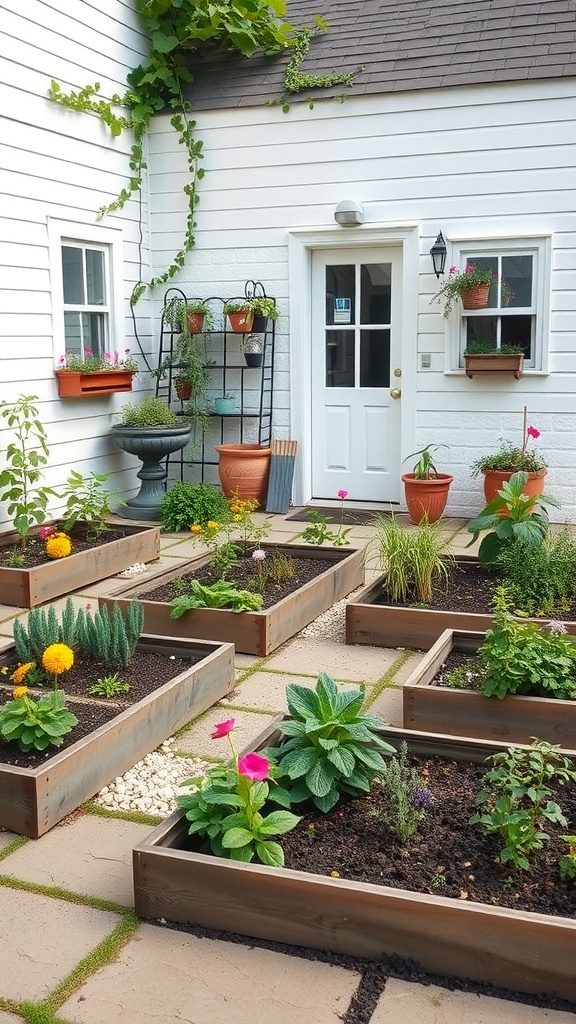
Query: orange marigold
[[19, 691], [21, 672], [196, 528], [58, 658], [58, 545], [212, 525]]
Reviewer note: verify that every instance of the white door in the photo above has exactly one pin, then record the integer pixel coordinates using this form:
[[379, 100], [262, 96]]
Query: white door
[[356, 382]]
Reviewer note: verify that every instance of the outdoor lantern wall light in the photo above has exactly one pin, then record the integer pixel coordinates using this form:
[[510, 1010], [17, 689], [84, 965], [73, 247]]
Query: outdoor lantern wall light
[[348, 214], [438, 253]]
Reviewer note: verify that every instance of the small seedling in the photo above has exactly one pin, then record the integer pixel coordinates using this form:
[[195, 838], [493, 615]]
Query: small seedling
[[108, 686]]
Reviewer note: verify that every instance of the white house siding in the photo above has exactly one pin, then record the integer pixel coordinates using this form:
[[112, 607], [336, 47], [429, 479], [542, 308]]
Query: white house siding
[[60, 164], [476, 162]]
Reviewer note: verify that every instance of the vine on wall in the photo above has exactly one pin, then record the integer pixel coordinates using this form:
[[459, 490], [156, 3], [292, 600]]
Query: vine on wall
[[175, 29]]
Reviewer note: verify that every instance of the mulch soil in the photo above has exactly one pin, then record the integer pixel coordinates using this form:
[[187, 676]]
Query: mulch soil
[[470, 588], [35, 551], [243, 576], [446, 857], [146, 672]]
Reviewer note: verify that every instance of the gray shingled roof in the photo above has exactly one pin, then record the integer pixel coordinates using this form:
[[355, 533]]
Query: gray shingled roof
[[402, 45]]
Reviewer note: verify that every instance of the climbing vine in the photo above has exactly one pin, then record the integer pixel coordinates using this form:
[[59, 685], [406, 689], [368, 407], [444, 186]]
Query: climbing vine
[[175, 29]]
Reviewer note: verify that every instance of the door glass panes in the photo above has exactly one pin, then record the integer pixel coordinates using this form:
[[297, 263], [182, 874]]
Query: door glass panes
[[375, 358], [340, 359], [375, 293], [340, 295]]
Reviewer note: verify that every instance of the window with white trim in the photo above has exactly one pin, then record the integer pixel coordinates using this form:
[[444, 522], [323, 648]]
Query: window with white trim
[[518, 305]]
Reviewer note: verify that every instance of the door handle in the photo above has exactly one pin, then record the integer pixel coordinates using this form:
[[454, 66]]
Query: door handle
[[395, 393]]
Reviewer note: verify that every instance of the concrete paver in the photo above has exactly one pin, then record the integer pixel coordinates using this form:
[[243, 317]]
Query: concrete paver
[[90, 855], [196, 739], [199, 981], [306, 656], [9, 1018], [404, 1002], [268, 690], [389, 705], [6, 838], [42, 939]]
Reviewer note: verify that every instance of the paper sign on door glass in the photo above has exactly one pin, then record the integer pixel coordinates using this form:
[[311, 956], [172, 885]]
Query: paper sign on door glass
[[342, 311]]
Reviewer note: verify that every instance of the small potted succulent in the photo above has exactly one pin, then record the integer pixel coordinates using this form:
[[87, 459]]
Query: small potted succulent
[[509, 459], [425, 488], [482, 357], [225, 405], [471, 285]]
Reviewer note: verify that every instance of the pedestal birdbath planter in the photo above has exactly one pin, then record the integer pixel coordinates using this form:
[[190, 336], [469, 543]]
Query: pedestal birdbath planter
[[151, 445]]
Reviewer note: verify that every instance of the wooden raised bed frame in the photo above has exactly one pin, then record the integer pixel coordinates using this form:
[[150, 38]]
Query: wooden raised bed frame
[[32, 800], [514, 719], [27, 588], [512, 949], [390, 625], [252, 632]]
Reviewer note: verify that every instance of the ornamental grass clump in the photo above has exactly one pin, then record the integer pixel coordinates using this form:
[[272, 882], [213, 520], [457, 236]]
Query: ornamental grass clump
[[413, 561]]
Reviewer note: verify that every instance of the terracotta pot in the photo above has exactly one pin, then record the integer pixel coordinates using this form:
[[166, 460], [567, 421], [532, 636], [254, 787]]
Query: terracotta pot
[[75, 384], [195, 323], [183, 389], [243, 470], [494, 478], [241, 321], [475, 297], [426, 499]]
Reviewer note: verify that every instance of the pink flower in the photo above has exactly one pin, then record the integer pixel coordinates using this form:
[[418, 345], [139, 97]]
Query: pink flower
[[45, 531], [469, 269], [453, 270], [342, 494], [222, 729], [106, 355], [532, 432], [88, 352], [62, 359], [258, 555], [88, 607], [254, 767]]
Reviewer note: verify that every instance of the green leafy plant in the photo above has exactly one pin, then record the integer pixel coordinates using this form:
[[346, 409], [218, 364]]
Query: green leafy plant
[[262, 306], [226, 807], [110, 638], [524, 658], [317, 531], [233, 536], [540, 580], [149, 412], [458, 282], [26, 456], [36, 724], [512, 458], [486, 346], [413, 561], [89, 501], [187, 503], [516, 798], [408, 796], [332, 747], [424, 468], [221, 594], [176, 311], [108, 686], [512, 516], [568, 861]]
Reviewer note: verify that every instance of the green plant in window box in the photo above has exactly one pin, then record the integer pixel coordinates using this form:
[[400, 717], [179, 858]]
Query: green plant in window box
[[92, 363], [481, 347]]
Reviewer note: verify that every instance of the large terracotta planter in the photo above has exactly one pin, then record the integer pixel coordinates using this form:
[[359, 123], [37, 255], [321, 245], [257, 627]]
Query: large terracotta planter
[[72, 384], [475, 297], [494, 478], [515, 719], [513, 949], [28, 587], [252, 632], [244, 470], [32, 800], [426, 499]]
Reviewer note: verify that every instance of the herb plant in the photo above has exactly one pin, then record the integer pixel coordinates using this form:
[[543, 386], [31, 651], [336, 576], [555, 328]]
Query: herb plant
[[568, 861], [36, 724], [413, 561], [408, 796], [108, 686], [540, 580], [424, 468], [512, 516], [26, 455], [187, 503], [110, 638], [89, 501], [516, 798], [512, 458], [332, 747], [221, 594], [150, 412]]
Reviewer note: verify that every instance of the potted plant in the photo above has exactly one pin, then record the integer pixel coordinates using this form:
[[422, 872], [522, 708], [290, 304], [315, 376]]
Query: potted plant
[[501, 465], [81, 376], [252, 348], [426, 489], [264, 309], [240, 316], [225, 405], [151, 431], [191, 315], [484, 357], [471, 285]]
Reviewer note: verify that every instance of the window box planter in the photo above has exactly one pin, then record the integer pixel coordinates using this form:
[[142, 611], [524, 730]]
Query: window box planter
[[253, 632], [33, 800], [478, 365], [513, 949], [515, 719], [28, 587], [72, 384], [389, 625]]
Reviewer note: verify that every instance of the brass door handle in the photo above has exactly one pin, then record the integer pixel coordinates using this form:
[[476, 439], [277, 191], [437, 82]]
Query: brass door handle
[[395, 393]]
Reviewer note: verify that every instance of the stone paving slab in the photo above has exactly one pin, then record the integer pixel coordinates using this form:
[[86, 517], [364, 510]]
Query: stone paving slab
[[164, 975], [91, 855], [306, 656], [403, 1002], [197, 740], [6, 838], [268, 690], [9, 1018], [42, 939], [389, 705]]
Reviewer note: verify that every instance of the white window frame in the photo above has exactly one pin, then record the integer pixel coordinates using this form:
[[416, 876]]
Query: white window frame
[[540, 248], [108, 239]]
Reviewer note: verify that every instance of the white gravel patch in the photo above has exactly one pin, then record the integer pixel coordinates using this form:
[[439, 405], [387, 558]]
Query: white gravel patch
[[150, 786], [331, 625]]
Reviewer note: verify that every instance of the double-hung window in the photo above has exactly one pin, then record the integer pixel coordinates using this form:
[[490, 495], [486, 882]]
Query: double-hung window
[[86, 293]]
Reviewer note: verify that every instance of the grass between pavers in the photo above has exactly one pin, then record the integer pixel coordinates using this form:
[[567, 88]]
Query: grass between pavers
[[386, 682], [138, 817]]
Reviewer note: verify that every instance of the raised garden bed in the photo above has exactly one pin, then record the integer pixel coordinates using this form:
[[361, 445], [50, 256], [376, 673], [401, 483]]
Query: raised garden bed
[[389, 625], [31, 585], [523, 950], [430, 707], [32, 800], [253, 632]]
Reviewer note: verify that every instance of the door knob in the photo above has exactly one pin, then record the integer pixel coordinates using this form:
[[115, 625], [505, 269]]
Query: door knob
[[395, 393]]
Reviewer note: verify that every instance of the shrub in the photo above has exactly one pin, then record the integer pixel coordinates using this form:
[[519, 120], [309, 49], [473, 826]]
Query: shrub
[[186, 504], [542, 579]]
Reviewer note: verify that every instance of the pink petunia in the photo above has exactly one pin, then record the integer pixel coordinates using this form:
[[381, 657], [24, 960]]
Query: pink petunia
[[533, 432], [470, 268], [222, 729], [254, 767], [342, 494], [45, 531], [453, 270]]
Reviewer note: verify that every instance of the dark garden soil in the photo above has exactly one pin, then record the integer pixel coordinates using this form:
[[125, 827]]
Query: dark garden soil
[[244, 577], [470, 588], [35, 551], [446, 857], [146, 672]]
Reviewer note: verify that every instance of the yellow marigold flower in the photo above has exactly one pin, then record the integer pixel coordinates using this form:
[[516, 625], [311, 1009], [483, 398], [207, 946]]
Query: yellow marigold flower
[[21, 672], [19, 691], [196, 528], [212, 525], [237, 519], [58, 546], [58, 658]]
